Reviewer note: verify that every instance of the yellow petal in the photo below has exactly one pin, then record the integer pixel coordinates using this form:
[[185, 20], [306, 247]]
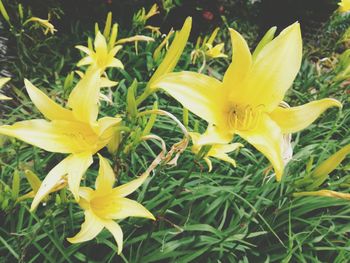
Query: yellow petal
[[85, 61], [240, 65], [267, 138], [91, 227], [100, 45], [3, 97], [84, 49], [3, 81], [50, 109], [273, 70], [225, 148], [115, 207], [199, 93], [50, 181], [214, 135], [224, 157], [105, 129], [208, 162], [264, 41], [86, 193], [116, 63], [327, 193], [174, 52], [55, 136], [116, 231], [105, 179], [84, 98], [297, 118], [130, 187], [77, 164], [115, 50], [331, 163], [106, 83]]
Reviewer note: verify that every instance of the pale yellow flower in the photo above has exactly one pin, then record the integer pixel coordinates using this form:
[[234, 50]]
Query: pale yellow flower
[[212, 51], [105, 204], [219, 151], [101, 56], [247, 101], [76, 132]]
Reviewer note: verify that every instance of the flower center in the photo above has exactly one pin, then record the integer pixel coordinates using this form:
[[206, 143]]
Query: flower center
[[244, 118], [104, 206]]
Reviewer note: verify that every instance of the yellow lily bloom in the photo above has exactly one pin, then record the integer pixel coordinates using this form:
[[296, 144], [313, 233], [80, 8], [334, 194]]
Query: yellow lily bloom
[[207, 46], [247, 101], [106, 204], [3, 81], [75, 132], [101, 56], [219, 151], [344, 6], [44, 23], [214, 51]]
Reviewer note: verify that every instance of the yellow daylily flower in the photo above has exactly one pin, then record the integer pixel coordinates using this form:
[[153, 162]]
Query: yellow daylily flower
[[219, 151], [105, 204], [344, 6], [3, 81], [101, 56], [76, 132], [247, 101], [214, 51], [45, 23], [207, 48]]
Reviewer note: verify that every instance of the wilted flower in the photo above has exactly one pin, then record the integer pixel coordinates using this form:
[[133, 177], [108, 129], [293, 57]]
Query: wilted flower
[[45, 23]]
